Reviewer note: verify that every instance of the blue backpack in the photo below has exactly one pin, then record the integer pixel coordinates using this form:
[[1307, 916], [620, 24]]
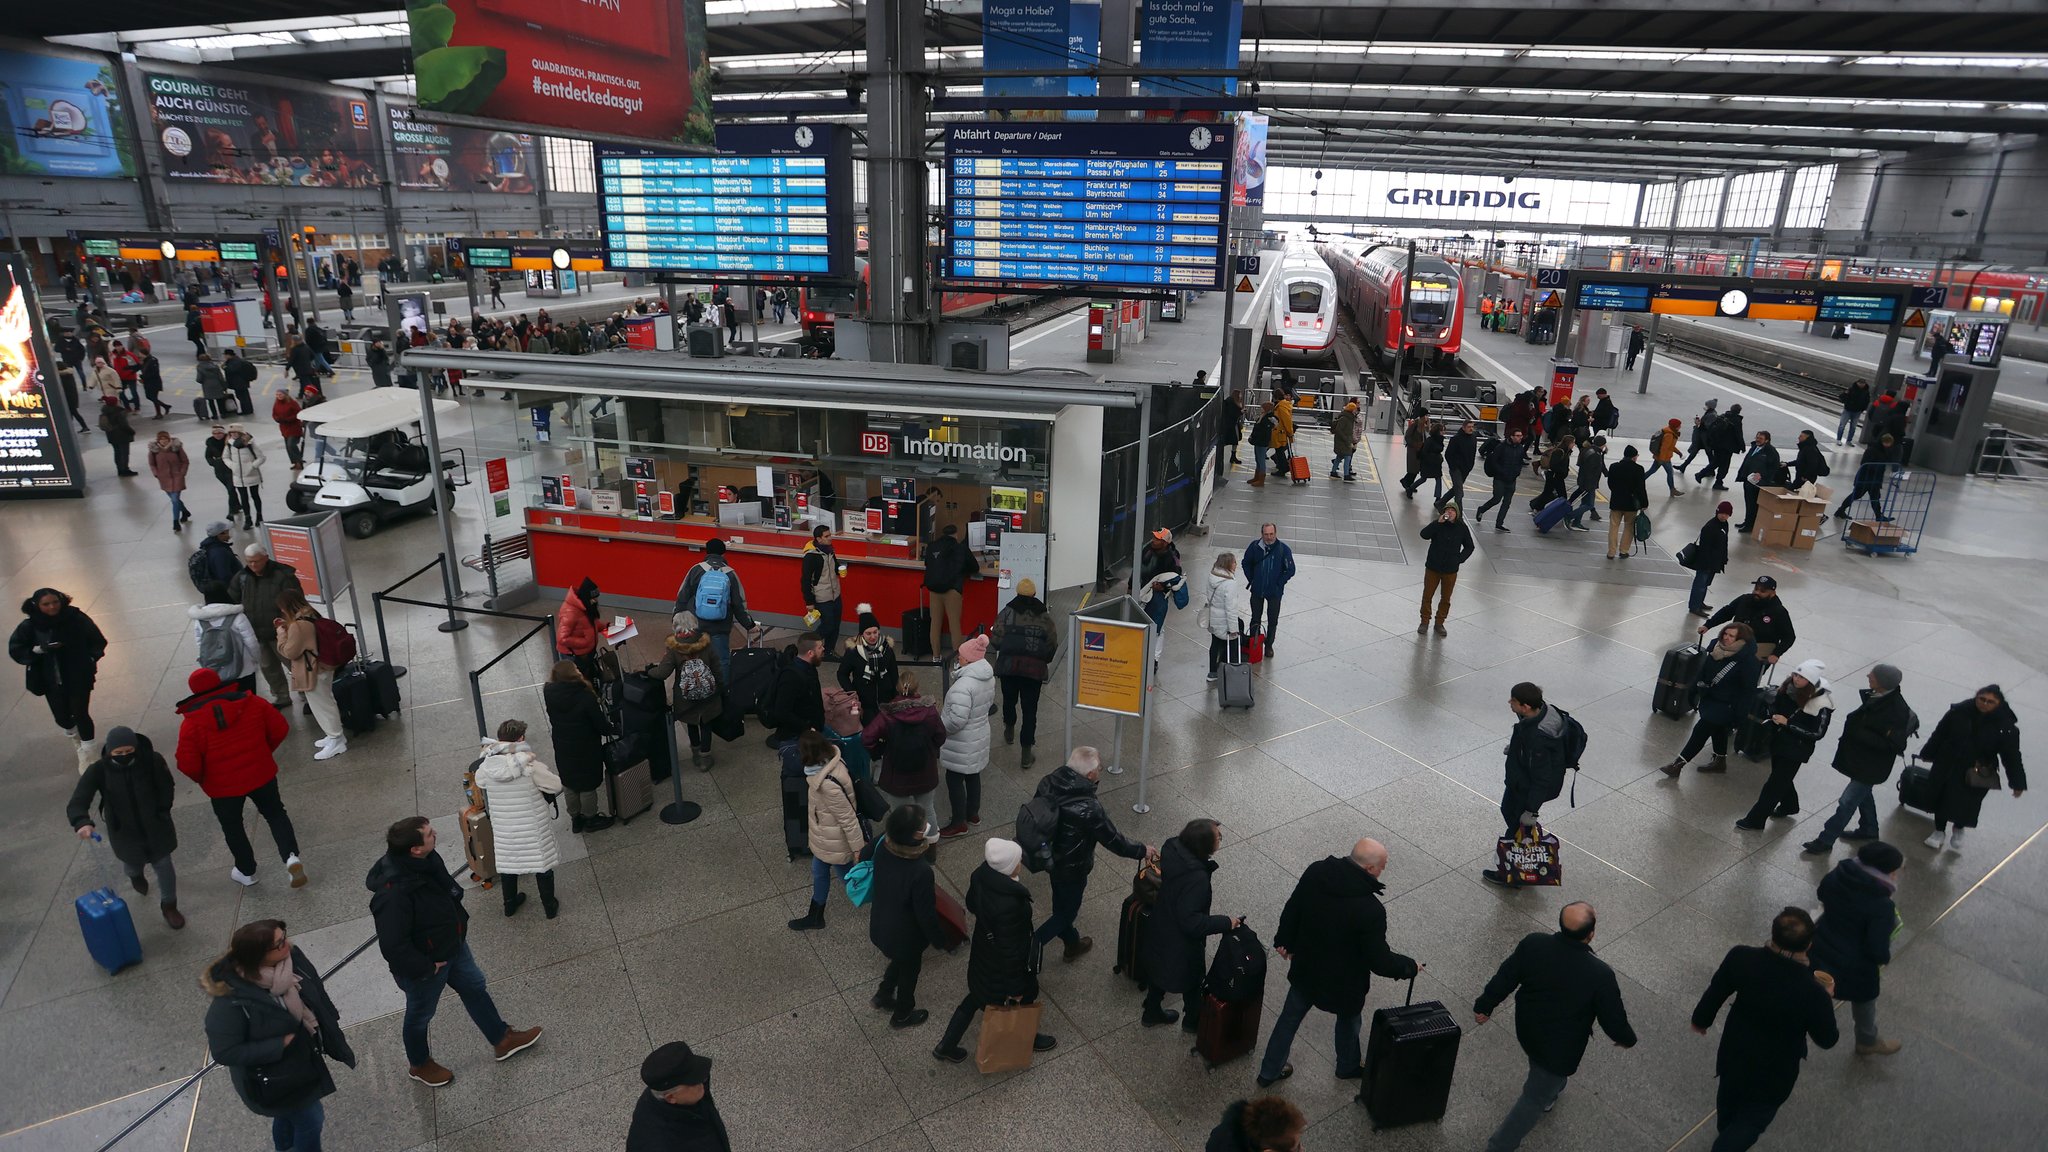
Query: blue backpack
[[714, 594]]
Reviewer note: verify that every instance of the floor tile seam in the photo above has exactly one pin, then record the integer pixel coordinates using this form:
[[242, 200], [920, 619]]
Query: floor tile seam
[[83, 1109], [557, 1088], [1564, 840], [1986, 878]]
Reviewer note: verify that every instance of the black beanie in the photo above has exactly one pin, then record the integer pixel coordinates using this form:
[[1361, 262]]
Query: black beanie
[[866, 618], [1880, 856]]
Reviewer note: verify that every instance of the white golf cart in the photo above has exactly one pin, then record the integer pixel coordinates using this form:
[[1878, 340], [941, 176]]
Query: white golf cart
[[377, 466]]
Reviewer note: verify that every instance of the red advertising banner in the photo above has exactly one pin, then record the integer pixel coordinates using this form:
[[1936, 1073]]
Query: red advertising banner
[[633, 68]]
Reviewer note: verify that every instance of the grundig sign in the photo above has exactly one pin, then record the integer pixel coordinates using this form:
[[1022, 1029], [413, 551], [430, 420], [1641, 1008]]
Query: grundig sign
[[983, 453], [1464, 198]]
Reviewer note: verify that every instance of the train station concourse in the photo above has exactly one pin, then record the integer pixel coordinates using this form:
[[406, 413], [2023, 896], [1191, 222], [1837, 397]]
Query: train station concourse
[[1214, 460]]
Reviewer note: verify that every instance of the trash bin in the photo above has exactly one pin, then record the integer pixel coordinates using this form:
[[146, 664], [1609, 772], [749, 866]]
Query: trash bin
[[1564, 376]]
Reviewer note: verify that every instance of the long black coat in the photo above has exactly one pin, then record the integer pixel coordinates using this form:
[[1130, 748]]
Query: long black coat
[[74, 663], [580, 728], [134, 804], [1779, 1006], [903, 917], [1964, 737], [1874, 736], [1178, 942], [1710, 551], [246, 1027], [1561, 989], [999, 966], [1335, 929], [1852, 940], [1083, 823]]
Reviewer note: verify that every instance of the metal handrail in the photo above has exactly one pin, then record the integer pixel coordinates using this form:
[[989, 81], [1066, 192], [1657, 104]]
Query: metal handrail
[[211, 1063], [1997, 458]]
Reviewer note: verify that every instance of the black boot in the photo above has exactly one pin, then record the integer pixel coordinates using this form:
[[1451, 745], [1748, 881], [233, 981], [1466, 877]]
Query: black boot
[[815, 918], [513, 900]]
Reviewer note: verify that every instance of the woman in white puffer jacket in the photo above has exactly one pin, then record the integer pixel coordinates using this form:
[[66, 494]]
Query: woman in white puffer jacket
[[515, 785], [1220, 608], [969, 700]]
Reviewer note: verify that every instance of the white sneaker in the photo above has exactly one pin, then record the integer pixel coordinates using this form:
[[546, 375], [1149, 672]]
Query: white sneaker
[[297, 870], [71, 733], [331, 748], [1955, 839], [1936, 841], [235, 874]]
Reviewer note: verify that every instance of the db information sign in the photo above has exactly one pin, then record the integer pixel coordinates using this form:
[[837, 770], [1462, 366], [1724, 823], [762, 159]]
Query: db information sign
[[875, 443]]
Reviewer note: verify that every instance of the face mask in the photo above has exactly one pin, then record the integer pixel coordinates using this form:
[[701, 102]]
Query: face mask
[[124, 760]]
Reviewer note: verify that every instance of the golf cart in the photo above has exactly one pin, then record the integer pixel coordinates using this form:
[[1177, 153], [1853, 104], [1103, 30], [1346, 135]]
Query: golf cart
[[377, 466]]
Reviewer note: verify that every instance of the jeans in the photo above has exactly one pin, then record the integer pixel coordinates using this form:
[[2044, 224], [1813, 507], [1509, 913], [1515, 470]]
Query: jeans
[[828, 623], [71, 707], [178, 511], [1741, 1122], [1669, 470], [1067, 892], [1870, 490], [423, 996], [962, 1017], [821, 878], [1289, 1022], [1700, 580], [1582, 506], [720, 632], [295, 449], [1845, 429], [1856, 800], [1345, 460], [166, 878], [1456, 495], [299, 1131], [228, 811], [1864, 1013], [1022, 690], [899, 982], [1539, 1092], [963, 793], [1269, 607]]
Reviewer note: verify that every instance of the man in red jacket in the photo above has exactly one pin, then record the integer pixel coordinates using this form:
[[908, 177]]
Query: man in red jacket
[[225, 744]]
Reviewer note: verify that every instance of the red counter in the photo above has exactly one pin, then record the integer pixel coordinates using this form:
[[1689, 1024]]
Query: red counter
[[634, 559]]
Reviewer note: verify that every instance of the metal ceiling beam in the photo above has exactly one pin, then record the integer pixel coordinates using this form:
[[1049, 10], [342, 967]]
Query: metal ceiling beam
[[1270, 61], [1669, 105], [1402, 121]]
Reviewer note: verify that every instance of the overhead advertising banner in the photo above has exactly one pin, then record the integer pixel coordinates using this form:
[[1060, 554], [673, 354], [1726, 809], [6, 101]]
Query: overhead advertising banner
[[630, 68], [37, 451], [1248, 168], [1420, 194], [1176, 35], [1026, 35], [242, 133], [62, 116], [444, 158]]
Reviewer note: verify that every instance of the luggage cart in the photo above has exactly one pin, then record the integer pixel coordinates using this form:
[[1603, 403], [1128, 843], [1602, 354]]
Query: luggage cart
[[1895, 526]]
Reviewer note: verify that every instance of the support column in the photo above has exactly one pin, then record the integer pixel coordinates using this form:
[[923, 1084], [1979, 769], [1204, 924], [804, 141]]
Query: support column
[[899, 289], [387, 189], [1119, 32]]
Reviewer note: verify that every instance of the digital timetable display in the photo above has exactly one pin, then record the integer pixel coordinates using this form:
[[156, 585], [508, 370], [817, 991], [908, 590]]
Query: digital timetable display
[[1075, 207], [776, 201]]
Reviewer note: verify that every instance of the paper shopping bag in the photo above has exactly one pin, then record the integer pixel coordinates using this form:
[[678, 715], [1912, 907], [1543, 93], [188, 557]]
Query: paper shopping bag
[[1007, 1033]]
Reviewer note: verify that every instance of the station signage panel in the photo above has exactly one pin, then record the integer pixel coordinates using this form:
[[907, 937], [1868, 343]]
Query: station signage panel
[[1596, 296], [1753, 299], [1857, 309], [169, 246], [37, 452], [776, 200], [528, 255], [1088, 207]]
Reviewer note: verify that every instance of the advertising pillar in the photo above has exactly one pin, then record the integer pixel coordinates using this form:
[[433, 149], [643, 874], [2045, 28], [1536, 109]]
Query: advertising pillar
[[38, 444]]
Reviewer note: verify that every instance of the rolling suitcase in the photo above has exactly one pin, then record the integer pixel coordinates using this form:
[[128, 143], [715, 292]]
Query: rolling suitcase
[[355, 699], [1297, 470], [1131, 924], [631, 788], [478, 846], [1677, 681], [952, 916], [1234, 682], [1753, 736], [1233, 996], [917, 633], [1916, 786], [751, 675], [104, 921], [1409, 1057], [1552, 514]]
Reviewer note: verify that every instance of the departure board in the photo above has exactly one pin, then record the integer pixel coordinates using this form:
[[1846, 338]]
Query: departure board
[[1098, 208], [775, 202]]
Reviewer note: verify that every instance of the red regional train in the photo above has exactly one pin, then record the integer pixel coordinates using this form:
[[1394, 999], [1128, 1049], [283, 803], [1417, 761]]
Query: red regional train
[[1369, 282]]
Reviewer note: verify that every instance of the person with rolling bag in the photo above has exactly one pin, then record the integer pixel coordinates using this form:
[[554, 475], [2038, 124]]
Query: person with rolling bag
[[1874, 736], [1333, 933], [132, 783], [1219, 612], [273, 1026], [1173, 949], [580, 727], [1409, 1057]]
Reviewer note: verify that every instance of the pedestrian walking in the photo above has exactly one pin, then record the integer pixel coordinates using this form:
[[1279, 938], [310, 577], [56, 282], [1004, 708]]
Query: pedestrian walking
[[1173, 949], [256, 587], [1080, 823], [969, 700], [151, 374], [1852, 941], [519, 793], [346, 297], [1266, 1124], [284, 411], [676, 1113], [1874, 736], [1344, 429], [1855, 402], [1161, 585], [240, 375], [1545, 745], [271, 1023], [1461, 453], [1504, 464], [1561, 990], [1799, 718], [1726, 440], [119, 431], [1725, 686], [907, 734], [1973, 739], [1592, 463], [60, 647], [423, 932], [868, 666], [1628, 494], [106, 379], [1428, 464], [1220, 615], [1663, 447], [903, 913], [1556, 468], [1808, 465], [1268, 565], [227, 744], [1282, 438], [1637, 341], [1707, 557], [1702, 433], [170, 465], [837, 836], [1333, 935], [1878, 463], [1450, 545], [579, 727], [1413, 435], [245, 465], [1780, 1004], [1025, 642], [195, 330], [1770, 622], [297, 629], [132, 784], [1000, 967]]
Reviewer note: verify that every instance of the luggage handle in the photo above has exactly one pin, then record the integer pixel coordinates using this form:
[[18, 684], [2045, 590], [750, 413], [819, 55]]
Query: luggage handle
[[100, 862], [1409, 999]]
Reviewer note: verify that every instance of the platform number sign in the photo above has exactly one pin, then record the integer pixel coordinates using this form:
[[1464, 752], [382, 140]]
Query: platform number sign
[[1550, 277], [874, 443]]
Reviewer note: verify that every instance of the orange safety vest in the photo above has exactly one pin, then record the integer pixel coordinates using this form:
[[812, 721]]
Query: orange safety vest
[[1486, 306]]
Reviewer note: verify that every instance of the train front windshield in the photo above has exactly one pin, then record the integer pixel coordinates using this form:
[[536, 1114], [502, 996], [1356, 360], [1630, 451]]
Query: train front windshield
[[1305, 296], [832, 299], [1430, 303]]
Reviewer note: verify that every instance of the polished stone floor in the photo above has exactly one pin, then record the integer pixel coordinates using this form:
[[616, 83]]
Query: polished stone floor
[[1361, 728]]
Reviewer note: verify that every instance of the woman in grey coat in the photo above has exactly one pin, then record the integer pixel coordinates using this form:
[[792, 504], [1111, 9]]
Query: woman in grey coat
[[272, 1025]]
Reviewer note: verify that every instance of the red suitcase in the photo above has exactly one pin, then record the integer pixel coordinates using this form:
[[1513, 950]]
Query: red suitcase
[[1226, 1031], [953, 916], [1297, 469]]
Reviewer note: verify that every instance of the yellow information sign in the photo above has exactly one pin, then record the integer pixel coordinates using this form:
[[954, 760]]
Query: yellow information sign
[[1110, 666]]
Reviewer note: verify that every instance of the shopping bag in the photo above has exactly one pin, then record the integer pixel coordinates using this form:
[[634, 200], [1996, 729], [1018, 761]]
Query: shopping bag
[[1531, 858], [1007, 1033]]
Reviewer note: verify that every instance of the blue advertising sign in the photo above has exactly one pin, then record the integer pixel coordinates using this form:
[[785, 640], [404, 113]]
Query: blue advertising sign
[[1084, 49], [1177, 35], [1060, 205], [1025, 35], [62, 116]]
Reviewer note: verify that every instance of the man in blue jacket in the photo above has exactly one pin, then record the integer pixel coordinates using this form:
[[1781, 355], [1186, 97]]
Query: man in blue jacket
[[1268, 566]]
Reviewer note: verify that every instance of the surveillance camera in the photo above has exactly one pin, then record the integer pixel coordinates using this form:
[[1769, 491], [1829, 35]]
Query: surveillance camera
[[1507, 179]]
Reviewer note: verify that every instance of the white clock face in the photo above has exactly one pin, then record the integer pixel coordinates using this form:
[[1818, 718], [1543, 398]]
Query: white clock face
[[1734, 302], [1200, 138], [804, 136]]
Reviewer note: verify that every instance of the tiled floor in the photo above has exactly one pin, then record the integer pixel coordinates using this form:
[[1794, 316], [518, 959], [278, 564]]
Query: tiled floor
[[1361, 728]]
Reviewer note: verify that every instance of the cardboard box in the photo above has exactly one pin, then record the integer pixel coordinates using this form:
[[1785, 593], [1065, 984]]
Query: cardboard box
[[1872, 532], [1774, 523], [1805, 536], [1776, 537]]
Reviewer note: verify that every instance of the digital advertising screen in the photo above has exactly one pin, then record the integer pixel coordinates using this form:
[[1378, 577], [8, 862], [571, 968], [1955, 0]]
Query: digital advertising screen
[[62, 116], [1594, 295], [243, 133], [626, 68], [447, 158], [777, 200], [38, 455], [1081, 207]]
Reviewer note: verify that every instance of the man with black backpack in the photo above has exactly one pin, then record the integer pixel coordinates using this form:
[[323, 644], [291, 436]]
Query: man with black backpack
[[712, 596], [1546, 744], [1505, 460], [947, 564], [1058, 828]]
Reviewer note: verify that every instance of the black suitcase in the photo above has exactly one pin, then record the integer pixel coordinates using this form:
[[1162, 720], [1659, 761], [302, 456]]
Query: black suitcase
[[383, 686], [1131, 925], [1677, 689], [1227, 1026], [356, 699], [1409, 1057], [917, 633], [1753, 736], [752, 673], [796, 810], [1916, 786]]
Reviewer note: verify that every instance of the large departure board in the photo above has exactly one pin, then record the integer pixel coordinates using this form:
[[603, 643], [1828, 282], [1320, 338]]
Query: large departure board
[[1088, 207], [777, 201]]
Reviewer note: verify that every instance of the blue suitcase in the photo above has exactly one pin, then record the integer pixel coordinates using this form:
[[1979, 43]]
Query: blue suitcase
[[1552, 514], [108, 928]]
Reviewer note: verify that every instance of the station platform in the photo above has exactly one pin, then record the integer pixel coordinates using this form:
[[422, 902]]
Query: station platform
[[2020, 381], [1361, 728]]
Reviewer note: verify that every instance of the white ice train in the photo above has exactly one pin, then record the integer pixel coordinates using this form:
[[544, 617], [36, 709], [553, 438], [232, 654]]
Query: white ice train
[[1302, 325]]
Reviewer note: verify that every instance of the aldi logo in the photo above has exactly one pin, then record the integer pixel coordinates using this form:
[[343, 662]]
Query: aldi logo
[[359, 113]]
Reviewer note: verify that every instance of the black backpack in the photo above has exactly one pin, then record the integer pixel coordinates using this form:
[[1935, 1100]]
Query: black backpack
[[1037, 820], [1238, 973], [197, 569], [1262, 432]]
